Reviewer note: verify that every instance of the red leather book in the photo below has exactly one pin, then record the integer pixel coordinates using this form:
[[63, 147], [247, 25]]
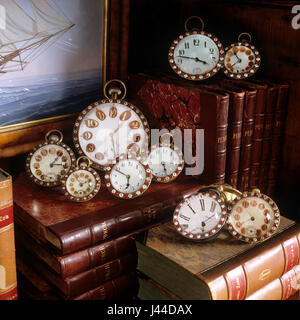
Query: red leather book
[[222, 269], [277, 135], [71, 264], [173, 103], [8, 275], [76, 285], [70, 226], [281, 288]]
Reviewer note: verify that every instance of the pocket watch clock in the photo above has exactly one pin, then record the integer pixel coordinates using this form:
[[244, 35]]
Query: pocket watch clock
[[82, 182], [196, 55], [129, 176], [241, 59], [200, 216], [104, 129], [253, 217], [165, 160], [50, 161]]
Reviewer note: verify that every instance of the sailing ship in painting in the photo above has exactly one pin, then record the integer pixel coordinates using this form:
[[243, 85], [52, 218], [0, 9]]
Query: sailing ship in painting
[[24, 38], [45, 70]]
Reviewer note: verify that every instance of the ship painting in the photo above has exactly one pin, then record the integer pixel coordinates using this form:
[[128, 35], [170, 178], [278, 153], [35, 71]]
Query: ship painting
[[23, 39], [45, 70]]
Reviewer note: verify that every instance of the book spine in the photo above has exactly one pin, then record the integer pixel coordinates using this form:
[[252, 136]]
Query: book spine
[[246, 141], [281, 288], [103, 230], [277, 137], [267, 138], [235, 123], [243, 280], [111, 289], [79, 261], [221, 140], [257, 138], [8, 274]]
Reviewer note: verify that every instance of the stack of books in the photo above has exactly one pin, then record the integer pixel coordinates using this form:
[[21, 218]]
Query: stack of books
[[243, 123], [173, 268], [85, 251]]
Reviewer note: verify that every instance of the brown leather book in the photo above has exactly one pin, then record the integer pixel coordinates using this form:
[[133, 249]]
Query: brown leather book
[[70, 226], [277, 135], [8, 275], [281, 288], [247, 132], [76, 285], [222, 269], [76, 262], [173, 103]]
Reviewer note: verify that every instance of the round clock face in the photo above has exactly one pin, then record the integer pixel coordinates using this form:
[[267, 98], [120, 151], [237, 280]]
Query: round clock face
[[128, 178], [196, 55], [81, 184], [200, 216], [47, 164], [105, 129], [253, 217], [241, 61], [165, 163]]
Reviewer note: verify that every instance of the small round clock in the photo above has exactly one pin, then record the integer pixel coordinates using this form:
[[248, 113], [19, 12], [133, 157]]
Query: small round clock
[[200, 216], [196, 55], [129, 176], [165, 160], [50, 161], [253, 217], [82, 182], [104, 129], [241, 59]]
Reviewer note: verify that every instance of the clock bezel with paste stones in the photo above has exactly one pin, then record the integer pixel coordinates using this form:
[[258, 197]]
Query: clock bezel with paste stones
[[49, 145], [264, 206], [137, 125]]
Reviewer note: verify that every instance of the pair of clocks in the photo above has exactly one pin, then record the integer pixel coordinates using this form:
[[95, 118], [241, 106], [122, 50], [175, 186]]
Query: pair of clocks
[[111, 136], [199, 55], [250, 216]]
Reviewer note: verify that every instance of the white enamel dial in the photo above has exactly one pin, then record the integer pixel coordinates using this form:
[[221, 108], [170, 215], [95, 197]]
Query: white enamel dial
[[104, 130], [200, 216], [196, 55], [253, 218], [128, 176], [241, 60], [50, 163], [164, 161], [81, 183]]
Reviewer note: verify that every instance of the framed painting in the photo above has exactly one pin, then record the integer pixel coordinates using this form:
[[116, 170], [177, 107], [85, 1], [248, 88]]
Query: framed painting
[[53, 59]]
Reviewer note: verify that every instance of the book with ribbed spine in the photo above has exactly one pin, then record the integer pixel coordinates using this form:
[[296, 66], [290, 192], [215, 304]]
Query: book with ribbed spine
[[222, 269], [69, 226], [8, 275]]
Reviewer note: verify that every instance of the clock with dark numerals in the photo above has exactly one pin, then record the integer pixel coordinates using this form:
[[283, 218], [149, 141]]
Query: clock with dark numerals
[[196, 55], [200, 216]]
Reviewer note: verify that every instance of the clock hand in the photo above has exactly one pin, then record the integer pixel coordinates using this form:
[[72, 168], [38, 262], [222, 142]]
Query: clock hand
[[192, 58], [192, 209], [52, 163], [164, 165], [117, 129], [126, 175]]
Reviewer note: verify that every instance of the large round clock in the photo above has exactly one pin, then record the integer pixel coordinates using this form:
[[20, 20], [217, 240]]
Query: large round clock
[[103, 130], [196, 55]]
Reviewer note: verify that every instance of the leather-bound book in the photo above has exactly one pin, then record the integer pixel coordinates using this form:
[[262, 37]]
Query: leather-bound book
[[247, 132], [281, 288], [277, 135], [70, 226], [83, 282], [71, 264], [271, 101], [8, 274], [175, 104], [221, 269]]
